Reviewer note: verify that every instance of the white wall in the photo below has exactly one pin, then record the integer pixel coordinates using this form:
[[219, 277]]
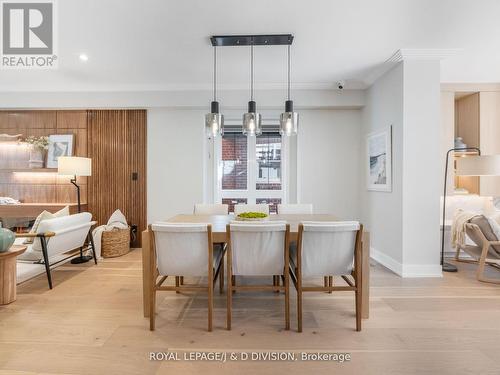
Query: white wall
[[422, 168], [328, 153], [404, 223], [175, 161], [382, 211], [329, 147]]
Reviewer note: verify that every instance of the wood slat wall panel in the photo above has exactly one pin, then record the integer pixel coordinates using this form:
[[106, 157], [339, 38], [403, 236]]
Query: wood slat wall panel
[[117, 146]]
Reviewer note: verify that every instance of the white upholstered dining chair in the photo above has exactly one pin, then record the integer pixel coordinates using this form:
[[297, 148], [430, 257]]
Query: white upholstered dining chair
[[295, 209], [211, 209], [184, 249], [258, 249], [239, 208], [332, 249]]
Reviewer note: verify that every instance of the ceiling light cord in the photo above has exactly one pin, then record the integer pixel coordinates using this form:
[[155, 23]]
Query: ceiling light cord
[[251, 72], [289, 67], [215, 73]]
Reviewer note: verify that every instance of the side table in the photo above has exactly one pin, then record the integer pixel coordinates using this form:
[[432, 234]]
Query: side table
[[8, 274]]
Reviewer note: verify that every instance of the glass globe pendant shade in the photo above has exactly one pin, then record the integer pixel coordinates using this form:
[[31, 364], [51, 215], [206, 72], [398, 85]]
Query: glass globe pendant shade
[[289, 120], [252, 122]]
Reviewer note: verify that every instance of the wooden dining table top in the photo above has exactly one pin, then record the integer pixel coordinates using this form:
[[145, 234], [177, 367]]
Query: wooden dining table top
[[219, 222]]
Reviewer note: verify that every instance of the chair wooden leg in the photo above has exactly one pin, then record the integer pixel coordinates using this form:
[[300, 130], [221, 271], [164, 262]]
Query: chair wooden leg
[[230, 280], [152, 308], [221, 277], [358, 309], [299, 309], [276, 283], [181, 280], [177, 283], [233, 282], [330, 283], [287, 299], [210, 303], [325, 281]]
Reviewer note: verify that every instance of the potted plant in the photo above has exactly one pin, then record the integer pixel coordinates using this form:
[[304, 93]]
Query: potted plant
[[38, 149]]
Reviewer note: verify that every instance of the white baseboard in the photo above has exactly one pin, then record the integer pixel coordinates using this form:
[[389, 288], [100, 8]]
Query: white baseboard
[[386, 261], [422, 270], [406, 270]]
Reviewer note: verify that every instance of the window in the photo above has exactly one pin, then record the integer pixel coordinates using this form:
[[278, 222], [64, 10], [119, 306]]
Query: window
[[250, 169]]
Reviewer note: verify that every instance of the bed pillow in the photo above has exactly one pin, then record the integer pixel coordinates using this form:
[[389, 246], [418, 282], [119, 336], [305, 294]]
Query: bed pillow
[[44, 216]]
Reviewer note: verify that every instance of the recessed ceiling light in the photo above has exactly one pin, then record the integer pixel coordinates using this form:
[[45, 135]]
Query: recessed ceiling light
[[84, 57]]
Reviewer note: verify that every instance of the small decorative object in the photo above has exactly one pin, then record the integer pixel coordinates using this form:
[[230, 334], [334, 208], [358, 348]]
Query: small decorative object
[[252, 216], [459, 143], [59, 145], [38, 148], [379, 154], [7, 238], [10, 138]]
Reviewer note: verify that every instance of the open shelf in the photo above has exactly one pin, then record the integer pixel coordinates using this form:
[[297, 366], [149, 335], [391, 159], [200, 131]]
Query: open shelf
[[465, 153]]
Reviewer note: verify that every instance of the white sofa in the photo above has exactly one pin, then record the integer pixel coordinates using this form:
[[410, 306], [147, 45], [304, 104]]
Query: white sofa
[[57, 236]]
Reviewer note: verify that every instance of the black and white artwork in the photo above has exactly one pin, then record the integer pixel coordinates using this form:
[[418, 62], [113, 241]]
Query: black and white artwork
[[379, 153], [59, 145]]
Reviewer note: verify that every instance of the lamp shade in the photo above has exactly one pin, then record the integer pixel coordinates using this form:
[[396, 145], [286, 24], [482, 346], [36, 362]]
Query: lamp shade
[[73, 165], [483, 165]]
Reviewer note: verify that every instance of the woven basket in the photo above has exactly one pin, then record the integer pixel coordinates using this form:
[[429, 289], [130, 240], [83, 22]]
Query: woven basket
[[115, 243]]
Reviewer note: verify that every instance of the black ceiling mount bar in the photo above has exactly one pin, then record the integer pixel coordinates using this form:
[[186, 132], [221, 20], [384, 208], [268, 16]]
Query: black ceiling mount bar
[[247, 40]]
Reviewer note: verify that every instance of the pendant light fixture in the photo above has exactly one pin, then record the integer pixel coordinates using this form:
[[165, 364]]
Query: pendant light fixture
[[214, 121], [252, 124], [289, 120]]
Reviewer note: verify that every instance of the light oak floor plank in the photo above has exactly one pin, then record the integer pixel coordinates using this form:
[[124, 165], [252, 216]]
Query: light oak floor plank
[[92, 323]]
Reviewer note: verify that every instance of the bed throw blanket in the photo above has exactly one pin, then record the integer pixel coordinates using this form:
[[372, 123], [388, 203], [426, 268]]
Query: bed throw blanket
[[117, 220], [460, 218]]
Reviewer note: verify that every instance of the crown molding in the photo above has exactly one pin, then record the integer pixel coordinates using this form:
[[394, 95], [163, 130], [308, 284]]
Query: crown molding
[[405, 54], [208, 87], [409, 54], [470, 87]]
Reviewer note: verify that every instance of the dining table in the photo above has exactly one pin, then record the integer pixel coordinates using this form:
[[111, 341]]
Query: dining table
[[219, 223]]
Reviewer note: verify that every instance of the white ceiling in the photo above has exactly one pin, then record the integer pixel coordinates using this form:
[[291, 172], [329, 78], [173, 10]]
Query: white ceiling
[[158, 44]]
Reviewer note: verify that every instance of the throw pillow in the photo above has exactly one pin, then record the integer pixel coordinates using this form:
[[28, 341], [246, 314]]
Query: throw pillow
[[44, 216], [484, 225]]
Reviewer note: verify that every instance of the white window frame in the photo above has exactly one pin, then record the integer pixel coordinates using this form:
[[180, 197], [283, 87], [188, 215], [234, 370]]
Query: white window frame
[[251, 193]]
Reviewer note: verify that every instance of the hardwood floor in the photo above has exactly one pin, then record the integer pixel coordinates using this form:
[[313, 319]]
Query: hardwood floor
[[92, 323]]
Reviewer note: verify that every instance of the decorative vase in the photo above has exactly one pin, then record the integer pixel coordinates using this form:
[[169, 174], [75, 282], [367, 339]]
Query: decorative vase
[[36, 157], [459, 143], [7, 238]]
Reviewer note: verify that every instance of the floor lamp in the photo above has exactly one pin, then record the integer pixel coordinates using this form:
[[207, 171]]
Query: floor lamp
[[475, 165], [76, 167]]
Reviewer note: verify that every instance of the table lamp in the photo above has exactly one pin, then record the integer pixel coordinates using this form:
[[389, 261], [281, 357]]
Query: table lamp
[[474, 165], [76, 167]]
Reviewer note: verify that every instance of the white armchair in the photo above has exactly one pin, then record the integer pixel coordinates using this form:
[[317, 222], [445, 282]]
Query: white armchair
[[184, 249], [327, 249], [211, 209], [295, 209], [58, 236], [258, 249]]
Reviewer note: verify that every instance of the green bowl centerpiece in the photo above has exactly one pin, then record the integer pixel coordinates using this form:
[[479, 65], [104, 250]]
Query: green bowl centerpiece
[[7, 238], [252, 216]]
